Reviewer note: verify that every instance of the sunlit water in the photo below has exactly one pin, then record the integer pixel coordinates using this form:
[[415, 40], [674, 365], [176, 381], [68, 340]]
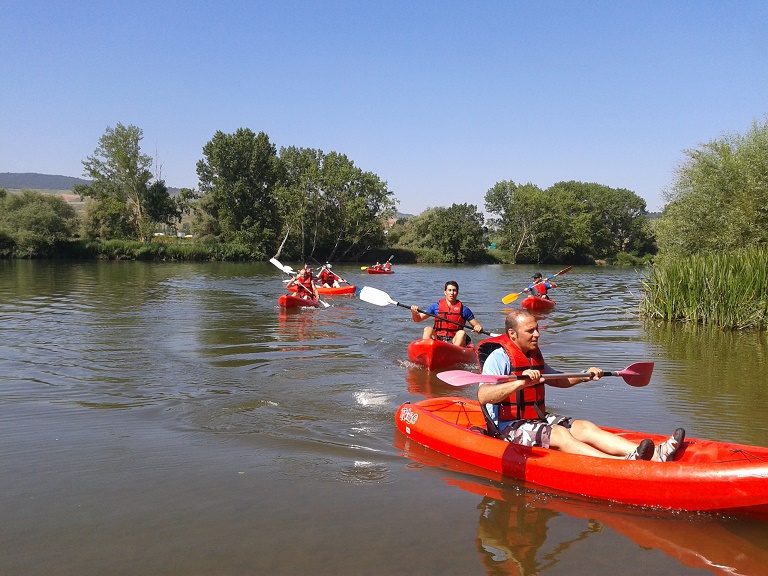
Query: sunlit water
[[171, 419]]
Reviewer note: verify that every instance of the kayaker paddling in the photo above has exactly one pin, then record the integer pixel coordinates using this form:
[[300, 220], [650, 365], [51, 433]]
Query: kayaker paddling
[[516, 410], [329, 279], [540, 287], [304, 282], [451, 309]]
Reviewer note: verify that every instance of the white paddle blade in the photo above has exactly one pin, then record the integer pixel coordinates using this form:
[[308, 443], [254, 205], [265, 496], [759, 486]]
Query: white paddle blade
[[375, 296], [465, 378], [275, 262]]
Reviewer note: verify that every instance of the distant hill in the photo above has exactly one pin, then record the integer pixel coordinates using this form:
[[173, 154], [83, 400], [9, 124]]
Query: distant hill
[[35, 181]]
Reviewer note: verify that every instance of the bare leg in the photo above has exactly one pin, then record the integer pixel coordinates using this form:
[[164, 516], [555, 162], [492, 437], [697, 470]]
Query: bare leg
[[460, 338], [586, 432], [427, 335]]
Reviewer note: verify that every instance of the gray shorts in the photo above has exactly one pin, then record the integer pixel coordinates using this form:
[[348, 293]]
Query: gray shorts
[[534, 432]]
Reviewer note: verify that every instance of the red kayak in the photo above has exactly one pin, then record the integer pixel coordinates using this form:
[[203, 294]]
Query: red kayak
[[436, 354], [380, 271], [291, 301], [537, 304], [332, 291], [704, 476]]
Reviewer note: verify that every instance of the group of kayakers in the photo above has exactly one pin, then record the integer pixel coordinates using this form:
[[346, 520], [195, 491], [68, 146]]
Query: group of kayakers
[[306, 284], [386, 266], [515, 411]]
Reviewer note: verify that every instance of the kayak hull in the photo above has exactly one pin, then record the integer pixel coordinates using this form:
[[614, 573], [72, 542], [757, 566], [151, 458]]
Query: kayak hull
[[330, 291], [291, 301], [537, 304], [436, 354], [379, 271], [705, 475]]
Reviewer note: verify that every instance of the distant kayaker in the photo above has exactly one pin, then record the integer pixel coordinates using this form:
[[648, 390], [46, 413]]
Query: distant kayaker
[[517, 408], [539, 287], [328, 279], [449, 308], [305, 284]]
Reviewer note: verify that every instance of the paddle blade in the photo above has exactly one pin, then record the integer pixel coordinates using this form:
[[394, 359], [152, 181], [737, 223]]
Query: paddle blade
[[509, 298], [563, 271], [375, 296], [275, 262], [638, 374], [363, 267], [465, 378]]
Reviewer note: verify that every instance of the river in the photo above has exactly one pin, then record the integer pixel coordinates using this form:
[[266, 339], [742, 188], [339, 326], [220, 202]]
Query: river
[[170, 419]]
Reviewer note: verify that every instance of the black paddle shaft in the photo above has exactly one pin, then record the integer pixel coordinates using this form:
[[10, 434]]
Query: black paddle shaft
[[444, 319]]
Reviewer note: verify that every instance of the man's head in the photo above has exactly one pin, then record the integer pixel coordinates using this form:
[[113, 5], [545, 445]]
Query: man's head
[[451, 290], [523, 329], [537, 276]]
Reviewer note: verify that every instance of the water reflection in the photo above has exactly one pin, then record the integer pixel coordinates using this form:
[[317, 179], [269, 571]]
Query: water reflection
[[526, 531], [716, 372]]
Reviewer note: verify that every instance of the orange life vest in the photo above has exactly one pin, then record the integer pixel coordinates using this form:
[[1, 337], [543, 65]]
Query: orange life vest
[[305, 286], [448, 312], [528, 403], [540, 288], [326, 277]]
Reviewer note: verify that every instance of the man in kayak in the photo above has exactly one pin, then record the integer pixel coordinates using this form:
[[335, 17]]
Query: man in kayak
[[305, 284], [540, 287], [517, 409], [328, 279], [451, 312]]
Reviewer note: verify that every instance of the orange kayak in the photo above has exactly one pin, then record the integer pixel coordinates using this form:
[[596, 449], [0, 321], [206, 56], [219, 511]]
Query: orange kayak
[[331, 291], [537, 304], [705, 475], [291, 301], [380, 271], [436, 354]]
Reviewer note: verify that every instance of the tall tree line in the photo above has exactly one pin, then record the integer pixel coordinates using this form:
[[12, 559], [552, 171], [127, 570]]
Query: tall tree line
[[301, 202]]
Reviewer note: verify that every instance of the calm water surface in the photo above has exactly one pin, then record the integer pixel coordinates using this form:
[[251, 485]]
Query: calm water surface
[[171, 419]]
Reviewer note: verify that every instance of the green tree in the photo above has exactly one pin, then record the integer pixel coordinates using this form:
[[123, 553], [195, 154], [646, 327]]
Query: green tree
[[35, 222], [719, 198], [330, 207], [238, 176], [126, 203], [568, 222], [458, 232]]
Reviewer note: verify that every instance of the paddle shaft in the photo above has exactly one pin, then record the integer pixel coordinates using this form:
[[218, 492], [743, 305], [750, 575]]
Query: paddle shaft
[[467, 326]]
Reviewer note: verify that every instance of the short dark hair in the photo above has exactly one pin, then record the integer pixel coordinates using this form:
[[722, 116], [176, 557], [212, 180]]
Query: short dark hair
[[451, 283], [512, 320], [537, 275]]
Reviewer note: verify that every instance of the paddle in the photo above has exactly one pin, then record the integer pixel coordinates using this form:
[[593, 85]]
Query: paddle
[[381, 298], [637, 374], [509, 298], [366, 267], [288, 270]]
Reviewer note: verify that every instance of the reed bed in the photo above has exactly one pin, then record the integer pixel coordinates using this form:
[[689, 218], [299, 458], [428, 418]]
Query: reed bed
[[727, 290]]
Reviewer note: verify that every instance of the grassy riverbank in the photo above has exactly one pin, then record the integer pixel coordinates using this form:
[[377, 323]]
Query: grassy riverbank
[[727, 290]]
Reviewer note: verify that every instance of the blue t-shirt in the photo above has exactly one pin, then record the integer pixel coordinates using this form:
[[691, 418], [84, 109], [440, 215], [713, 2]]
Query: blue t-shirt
[[466, 313]]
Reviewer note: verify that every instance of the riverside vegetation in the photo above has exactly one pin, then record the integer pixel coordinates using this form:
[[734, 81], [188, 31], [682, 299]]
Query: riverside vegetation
[[254, 201]]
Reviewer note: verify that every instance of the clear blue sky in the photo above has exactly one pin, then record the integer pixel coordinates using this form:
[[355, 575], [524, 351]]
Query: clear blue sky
[[441, 99]]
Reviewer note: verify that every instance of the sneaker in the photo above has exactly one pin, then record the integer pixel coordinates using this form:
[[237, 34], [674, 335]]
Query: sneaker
[[666, 450], [644, 451]]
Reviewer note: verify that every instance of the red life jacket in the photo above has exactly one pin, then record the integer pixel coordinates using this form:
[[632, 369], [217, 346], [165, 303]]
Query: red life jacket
[[305, 286], [444, 310], [528, 403], [326, 277], [541, 288]]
